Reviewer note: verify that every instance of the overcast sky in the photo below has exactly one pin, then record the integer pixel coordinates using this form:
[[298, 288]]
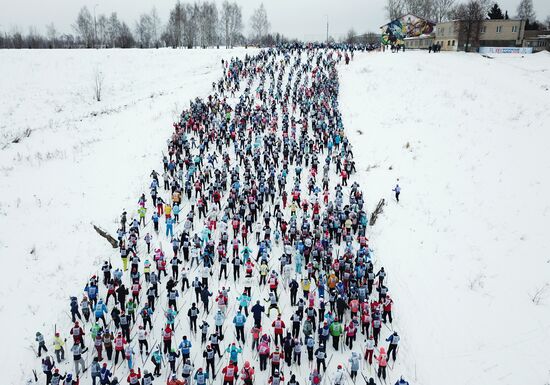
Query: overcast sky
[[303, 19]]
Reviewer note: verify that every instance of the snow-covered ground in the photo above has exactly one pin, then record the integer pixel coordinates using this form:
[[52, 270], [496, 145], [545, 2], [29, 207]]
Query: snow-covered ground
[[467, 247], [83, 162]]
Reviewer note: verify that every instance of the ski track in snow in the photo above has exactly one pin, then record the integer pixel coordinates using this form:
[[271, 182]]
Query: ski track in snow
[[79, 169], [462, 319], [121, 371]]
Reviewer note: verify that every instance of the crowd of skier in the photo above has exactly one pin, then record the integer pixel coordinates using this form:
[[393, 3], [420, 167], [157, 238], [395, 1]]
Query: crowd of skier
[[253, 234]]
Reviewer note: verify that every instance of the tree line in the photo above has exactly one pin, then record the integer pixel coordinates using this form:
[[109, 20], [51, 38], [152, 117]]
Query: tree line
[[198, 24], [445, 10]]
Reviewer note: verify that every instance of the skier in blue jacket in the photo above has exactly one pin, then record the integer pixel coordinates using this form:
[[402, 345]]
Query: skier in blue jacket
[[100, 310], [185, 347], [234, 352], [239, 321]]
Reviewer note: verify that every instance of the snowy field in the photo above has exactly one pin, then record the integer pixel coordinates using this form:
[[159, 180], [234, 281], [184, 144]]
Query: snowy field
[[83, 162], [467, 247]]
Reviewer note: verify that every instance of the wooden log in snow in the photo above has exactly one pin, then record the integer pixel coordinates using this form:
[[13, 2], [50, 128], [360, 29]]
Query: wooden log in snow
[[378, 210], [106, 235]]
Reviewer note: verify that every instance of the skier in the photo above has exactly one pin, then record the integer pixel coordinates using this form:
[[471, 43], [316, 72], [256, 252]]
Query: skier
[[382, 363], [105, 375], [58, 344], [401, 381], [247, 374], [41, 343], [397, 191], [239, 321], [354, 361], [335, 331], [193, 314], [47, 367], [338, 377], [133, 377], [369, 350], [201, 377], [393, 339], [78, 360], [185, 348], [276, 378], [229, 373]]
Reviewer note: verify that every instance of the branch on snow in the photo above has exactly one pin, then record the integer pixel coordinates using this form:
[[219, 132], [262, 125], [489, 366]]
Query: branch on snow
[[539, 295], [106, 235], [378, 210]]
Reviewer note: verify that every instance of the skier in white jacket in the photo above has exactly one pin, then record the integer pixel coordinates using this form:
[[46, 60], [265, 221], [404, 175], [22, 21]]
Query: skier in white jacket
[[339, 378]]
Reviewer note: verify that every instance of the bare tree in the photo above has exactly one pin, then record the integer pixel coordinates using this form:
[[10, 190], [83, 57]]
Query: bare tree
[[420, 8], [84, 26], [237, 24], [98, 84], [143, 30], [442, 10], [259, 24], [155, 27], [231, 22], [351, 36], [471, 16], [225, 22], [102, 30], [436, 10], [51, 34], [526, 11], [33, 38], [547, 22], [370, 38], [125, 37], [190, 24], [113, 28], [208, 22], [17, 37], [395, 8], [174, 28]]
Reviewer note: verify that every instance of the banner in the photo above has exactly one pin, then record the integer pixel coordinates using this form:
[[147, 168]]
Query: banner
[[497, 50]]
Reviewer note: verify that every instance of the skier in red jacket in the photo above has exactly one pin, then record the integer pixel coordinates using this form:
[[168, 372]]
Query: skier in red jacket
[[229, 373], [279, 326], [133, 377], [276, 357], [78, 334]]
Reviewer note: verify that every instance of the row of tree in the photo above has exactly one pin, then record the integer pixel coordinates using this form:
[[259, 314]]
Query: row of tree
[[198, 24], [474, 12], [443, 10]]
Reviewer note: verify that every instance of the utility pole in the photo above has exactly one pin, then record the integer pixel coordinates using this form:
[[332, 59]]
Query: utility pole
[[327, 30], [95, 27]]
